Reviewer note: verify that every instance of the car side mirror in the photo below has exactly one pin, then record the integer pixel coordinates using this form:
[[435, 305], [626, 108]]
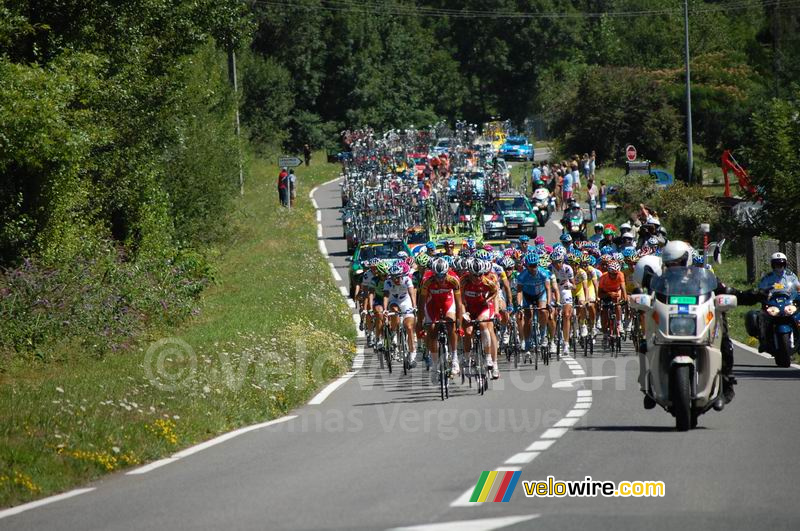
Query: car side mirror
[[725, 303], [640, 302]]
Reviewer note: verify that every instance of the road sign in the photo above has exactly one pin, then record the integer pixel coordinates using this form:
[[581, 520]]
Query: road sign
[[288, 162], [630, 152]]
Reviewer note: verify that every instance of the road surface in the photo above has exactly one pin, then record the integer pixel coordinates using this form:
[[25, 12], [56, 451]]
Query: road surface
[[383, 451]]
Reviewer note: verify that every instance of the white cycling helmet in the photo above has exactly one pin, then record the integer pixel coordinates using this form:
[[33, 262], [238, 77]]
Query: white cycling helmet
[[625, 226], [646, 268], [676, 253]]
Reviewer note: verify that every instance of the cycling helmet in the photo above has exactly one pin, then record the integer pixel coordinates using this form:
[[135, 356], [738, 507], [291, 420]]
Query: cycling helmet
[[476, 267], [508, 252], [524, 238], [483, 254], [544, 261], [614, 266], [598, 226], [423, 260], [396, 270], [592, 260], [619, 257], [566, 238], [449, 259], [608, 231], [458, 263], [558, 254], [463, 253], [548, 249], [488, 248], [470, 243], [508, 263], [431, 246], [531, 258], [606, 249], [652, 241], [625, 227], [440, 267], [402, 254], [573, 259], [382, 268], [486, 267], [539, 240], [697, 258], [676, 253]]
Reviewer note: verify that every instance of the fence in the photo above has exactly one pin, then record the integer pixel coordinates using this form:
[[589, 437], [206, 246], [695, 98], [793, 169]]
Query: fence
[[761, 249]]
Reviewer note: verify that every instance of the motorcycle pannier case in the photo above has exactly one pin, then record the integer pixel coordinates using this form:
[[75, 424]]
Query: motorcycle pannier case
[[751, 323]]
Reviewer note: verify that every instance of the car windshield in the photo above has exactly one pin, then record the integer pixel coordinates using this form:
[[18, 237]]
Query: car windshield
[[489, 209], [443, 143], [517, 203], [685, 281], [380, 250], [515, 142]]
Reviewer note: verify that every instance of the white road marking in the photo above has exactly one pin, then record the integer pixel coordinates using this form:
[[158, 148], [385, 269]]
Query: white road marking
[[576, 413], [343, 291], [579, 373], [540, 445], [336, 274], [583, 405], [44, 501], [584, 392], [151, 466], [554, 433], [558, 224], [521, 458], [584, 399], [565, 423], [570, 381], [484, 524]]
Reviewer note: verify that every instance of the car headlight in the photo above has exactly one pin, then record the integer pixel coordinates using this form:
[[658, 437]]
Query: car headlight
[[359, 271], [530, 219], [682, 325], [790, 309], [773, 310]]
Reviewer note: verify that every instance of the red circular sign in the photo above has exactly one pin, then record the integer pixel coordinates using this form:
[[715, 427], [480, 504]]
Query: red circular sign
[[630, 152]]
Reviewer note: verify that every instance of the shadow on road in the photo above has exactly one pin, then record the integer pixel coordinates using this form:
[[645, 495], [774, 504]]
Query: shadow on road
[[764, 372], [642, 429]]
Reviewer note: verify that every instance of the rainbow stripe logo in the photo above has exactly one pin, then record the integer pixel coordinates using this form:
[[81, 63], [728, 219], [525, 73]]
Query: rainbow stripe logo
[[495, 486]]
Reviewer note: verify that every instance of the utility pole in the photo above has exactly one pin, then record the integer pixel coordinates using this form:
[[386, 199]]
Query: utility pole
[[690, 156], [233, 78]]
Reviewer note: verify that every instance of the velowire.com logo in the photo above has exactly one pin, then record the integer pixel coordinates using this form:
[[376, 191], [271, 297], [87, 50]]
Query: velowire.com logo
[[495, 486]]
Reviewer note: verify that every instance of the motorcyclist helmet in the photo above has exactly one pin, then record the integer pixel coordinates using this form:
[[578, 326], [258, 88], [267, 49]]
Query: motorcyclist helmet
[[778, 261], [676, 253]]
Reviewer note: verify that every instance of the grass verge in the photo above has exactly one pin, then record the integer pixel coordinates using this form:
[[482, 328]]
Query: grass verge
[[272, 329]]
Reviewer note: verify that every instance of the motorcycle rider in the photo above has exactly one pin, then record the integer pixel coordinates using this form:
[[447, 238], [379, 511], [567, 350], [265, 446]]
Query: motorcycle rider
[[779, 275], [678, 253]]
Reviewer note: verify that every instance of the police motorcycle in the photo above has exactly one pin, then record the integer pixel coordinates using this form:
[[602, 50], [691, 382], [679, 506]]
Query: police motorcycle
[[683, 360], [544, 204], [574, 222], [781, 321]]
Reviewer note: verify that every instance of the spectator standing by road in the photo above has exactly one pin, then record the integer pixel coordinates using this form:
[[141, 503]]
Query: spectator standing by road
[[576, 179], [567, 187], [593, 164], [536, 175], [307, 154], [591, 190], [292, 187], [283, 187], [603, 196]]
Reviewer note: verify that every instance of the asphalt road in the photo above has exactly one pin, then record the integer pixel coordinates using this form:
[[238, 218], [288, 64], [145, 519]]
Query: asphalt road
[[383, 451]]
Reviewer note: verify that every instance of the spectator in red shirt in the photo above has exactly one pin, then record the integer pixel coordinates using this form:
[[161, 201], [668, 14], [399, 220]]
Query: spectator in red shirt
[[283, 187]]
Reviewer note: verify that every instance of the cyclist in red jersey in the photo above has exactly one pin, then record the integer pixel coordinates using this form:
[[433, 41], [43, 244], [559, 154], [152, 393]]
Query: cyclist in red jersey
[[441, 297], [479, 290]]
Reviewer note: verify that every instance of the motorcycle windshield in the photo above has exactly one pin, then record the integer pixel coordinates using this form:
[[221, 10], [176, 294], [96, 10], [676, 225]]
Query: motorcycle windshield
[[678, 282]]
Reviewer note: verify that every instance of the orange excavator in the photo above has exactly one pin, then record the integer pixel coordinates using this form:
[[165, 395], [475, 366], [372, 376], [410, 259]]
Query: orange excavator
[[729, 164]]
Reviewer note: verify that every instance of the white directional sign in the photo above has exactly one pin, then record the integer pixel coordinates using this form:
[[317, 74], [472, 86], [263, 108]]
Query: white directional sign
[[288, 162]]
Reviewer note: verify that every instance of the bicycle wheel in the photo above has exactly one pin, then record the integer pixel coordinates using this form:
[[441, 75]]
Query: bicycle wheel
[[443, 369], [388, 349], [477, 346]]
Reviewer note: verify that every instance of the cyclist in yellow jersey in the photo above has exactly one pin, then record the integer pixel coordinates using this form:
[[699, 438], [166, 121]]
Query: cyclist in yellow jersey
[[580, 291], [590, 289]]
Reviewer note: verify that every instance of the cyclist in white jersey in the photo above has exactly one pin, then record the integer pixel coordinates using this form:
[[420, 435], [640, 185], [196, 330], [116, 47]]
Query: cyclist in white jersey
[[565, 277], [400, 296]]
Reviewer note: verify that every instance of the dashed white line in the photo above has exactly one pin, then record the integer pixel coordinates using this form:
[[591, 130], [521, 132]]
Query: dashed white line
[[540, 445], [583, 405], [44, 501], [554, 433], [483, 524], [576, 413], [584, 392], [566, 422], [522, 458], [584, 399]]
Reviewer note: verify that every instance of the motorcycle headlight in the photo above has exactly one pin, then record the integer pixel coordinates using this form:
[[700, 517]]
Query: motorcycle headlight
[[359, 271], [682, 325], [790, 309], [773, 310]]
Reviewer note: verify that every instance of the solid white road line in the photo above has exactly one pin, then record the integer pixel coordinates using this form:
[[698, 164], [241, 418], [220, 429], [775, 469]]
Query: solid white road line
[[44, 501], [207, 444], [484, 524]]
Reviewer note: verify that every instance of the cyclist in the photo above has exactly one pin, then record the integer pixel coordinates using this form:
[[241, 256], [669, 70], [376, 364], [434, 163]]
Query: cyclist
[[598, 233], [479, 288], [612, 288], [580, 291], [363, 294], [524, 241], [441, 297], [590, 289], [376, 296], [534, 293], [399, 296], [565, 277]]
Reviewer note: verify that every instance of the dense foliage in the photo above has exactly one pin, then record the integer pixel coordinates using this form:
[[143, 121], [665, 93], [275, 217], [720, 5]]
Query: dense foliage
[[117, 151]]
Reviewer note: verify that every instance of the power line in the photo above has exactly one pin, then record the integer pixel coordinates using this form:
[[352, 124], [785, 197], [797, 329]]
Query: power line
[[370, 8]]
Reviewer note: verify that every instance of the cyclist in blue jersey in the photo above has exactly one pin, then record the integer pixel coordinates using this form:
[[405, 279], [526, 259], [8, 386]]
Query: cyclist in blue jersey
[[534, 291]]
